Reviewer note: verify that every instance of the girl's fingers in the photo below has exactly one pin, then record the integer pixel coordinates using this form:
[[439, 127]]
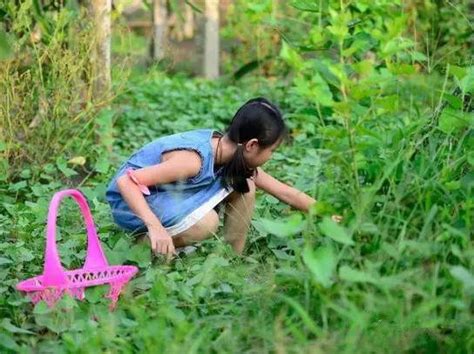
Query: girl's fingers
[[165, 247], [172, 248], [336, 218], [158, 247], [162, 248], [169, 257]]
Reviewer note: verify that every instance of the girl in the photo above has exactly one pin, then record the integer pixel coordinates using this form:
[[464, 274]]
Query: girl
[[172, 186]]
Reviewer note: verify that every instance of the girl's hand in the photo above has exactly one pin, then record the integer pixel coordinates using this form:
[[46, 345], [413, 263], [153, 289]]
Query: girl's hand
[[336, 218], [160, 240]]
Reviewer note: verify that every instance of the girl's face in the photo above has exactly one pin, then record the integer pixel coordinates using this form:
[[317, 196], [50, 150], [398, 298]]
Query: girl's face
[[256, 156]]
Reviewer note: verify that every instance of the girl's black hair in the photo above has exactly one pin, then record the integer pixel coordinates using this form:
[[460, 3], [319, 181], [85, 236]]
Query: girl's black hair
[[258, 119]]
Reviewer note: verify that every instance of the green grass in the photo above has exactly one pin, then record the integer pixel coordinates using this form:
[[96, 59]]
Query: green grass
[[396, 276]]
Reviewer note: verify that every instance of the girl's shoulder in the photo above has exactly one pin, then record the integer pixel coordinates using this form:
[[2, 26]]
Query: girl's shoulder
[[198, 140], [186, 137]]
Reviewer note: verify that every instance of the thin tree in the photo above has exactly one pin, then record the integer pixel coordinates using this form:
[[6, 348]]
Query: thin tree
[[99, 11], [211, 52], [159, 28], [188, 27]]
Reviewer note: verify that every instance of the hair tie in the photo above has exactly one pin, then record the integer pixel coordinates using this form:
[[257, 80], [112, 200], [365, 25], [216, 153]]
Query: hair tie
[[239, 144], [269, 107]]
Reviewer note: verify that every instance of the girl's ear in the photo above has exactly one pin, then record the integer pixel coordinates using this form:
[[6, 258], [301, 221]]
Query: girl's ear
[[251, 145]]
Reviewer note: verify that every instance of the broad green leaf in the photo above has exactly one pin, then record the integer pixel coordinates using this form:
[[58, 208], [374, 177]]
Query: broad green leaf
[[66, 303], [102, 165], [353, 275], [467, 82], [339, 24], [364, 68], [4, 260], [418, 56], [6, 341], [454, 101], [18, 186], [470, 158], [119, 253], [95, 294], [140, 254], [128, 323], [316, 89], [322, 263], [25, 255], [291, 56], [282, 254], [62, 166], [305, 5], [6, 324], [6, 49], [104, 127], [452, 120], [458, 71], [122, 245], [464, 276], [78, 160], [41, 308], [334, 231], [285, 227]]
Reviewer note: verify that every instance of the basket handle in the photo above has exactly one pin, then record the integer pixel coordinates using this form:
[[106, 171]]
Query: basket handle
[[53, 274]]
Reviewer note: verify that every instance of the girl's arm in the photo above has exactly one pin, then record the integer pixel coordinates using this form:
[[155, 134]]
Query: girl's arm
[[177, 165], [283, 192]]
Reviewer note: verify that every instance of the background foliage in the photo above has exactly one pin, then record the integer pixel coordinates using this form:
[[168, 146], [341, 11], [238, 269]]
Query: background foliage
[[378, 99]]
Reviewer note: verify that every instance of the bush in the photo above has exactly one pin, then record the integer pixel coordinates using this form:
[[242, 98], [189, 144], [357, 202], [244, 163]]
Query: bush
[[47, 111]]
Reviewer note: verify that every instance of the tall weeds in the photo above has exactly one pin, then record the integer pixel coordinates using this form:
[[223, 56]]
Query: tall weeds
[[46, 108]]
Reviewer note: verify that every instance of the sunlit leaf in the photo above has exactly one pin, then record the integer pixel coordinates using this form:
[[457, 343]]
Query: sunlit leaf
[[6, 49], [78, 160], [464, 276], [353, 275], [467, 82], [335, 231], [291, 56], [7, 341], [140, 254], [452, 120], [7, 325], [283, 227], [322, 263]]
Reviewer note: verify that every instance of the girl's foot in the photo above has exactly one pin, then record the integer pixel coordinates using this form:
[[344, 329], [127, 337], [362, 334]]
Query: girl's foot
[[184, 251]]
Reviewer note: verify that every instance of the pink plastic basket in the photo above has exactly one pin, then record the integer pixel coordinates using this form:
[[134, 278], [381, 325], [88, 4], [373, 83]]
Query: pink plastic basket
[[55, 281]]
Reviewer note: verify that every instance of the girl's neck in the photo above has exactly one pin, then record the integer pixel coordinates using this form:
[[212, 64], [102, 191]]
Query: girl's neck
[[226, 149]]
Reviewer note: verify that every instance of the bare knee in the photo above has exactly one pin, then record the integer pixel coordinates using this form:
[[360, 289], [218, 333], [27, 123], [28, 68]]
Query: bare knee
[[211, 222], [206, 226], [201, 230]]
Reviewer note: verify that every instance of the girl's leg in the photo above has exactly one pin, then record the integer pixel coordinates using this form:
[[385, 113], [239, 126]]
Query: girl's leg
[[203, 229], [238, 214]]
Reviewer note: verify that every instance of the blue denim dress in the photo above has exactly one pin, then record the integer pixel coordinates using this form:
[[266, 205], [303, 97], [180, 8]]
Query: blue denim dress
[[177, 205]]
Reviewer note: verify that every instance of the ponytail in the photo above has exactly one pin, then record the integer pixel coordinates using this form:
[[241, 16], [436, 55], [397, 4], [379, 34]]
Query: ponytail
[[236, 171]]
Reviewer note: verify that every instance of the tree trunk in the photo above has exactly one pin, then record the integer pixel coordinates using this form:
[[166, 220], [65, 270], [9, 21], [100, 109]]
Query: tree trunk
[[188, 22], [101, 80], [159, 29], [211, 53]]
